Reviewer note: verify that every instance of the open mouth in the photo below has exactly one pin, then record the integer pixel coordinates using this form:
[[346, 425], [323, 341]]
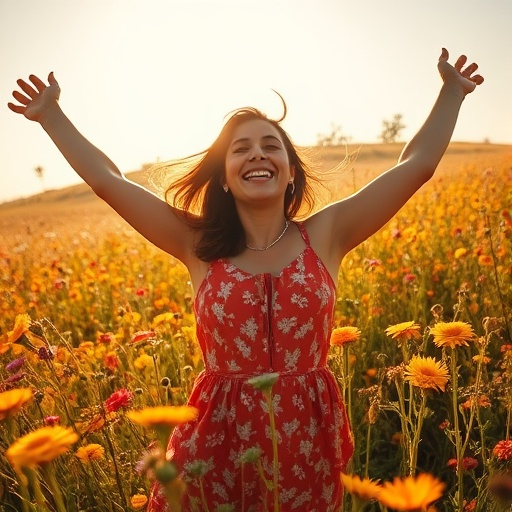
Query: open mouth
[[258, 174]]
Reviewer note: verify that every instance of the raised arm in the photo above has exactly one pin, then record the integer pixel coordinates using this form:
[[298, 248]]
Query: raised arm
[[148, 214], [351, 221]]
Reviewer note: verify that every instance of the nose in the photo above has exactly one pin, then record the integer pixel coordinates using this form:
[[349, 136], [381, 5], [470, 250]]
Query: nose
[[256, 153]]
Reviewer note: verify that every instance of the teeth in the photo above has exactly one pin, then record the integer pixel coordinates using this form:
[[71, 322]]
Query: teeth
[[258, 174]]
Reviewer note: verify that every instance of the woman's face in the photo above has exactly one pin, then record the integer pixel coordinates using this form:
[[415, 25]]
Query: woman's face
[[257, 164]]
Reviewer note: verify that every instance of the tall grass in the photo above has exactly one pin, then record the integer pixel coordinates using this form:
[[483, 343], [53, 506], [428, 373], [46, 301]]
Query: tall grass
[[112, 312]]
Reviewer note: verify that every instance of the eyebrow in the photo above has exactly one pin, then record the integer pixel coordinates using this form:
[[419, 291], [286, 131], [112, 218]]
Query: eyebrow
[[245, 139]]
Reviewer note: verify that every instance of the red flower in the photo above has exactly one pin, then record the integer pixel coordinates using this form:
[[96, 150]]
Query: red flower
[[503, 450], [51, 421], [118, 400], [468, 463]]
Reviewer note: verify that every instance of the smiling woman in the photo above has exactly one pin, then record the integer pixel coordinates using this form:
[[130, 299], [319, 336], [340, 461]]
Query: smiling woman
[[265, 284]]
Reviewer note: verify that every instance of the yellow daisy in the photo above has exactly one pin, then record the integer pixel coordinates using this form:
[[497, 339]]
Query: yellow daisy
[[163, 415], [343, 335], [363, 488], [13, 400], [411, 493], [404, 331], [427, 373], [452, 334]]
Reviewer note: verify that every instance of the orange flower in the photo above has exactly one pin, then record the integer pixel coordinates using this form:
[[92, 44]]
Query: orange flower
[[90, 452], [452, 334], [13, 400], [365, 489], [427, 373], [404, 331], [40, 446], [21, 326], [138, 501], [344, 335], [411, 493], [163, 415], [503, 450]]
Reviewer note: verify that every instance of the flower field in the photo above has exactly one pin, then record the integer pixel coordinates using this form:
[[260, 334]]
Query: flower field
[[97, 341]]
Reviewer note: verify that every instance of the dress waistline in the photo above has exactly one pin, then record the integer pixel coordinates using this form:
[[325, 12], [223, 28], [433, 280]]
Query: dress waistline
[[246, 376]]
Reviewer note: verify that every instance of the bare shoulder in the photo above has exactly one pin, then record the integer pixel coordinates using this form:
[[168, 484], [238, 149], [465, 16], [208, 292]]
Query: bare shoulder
[[325, 236]]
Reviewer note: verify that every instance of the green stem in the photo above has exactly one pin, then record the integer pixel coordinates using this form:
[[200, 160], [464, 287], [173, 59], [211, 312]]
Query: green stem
[[458, 446], [417, 433], [406, 437], [49, 478], [275, 461], [116, 469], [203, 497], [367, 462]]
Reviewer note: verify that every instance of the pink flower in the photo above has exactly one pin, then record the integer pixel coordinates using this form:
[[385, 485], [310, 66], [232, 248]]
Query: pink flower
[[119, 399], [50, 421]]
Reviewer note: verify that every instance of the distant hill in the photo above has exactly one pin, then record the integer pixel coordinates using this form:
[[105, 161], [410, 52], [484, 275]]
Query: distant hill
[[368, 161]]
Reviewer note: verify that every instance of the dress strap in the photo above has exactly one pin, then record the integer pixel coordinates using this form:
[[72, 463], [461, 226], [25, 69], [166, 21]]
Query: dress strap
[[303, 232]]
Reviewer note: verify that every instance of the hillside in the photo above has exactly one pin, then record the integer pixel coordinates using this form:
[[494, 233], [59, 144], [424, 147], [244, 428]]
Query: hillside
[[367, 162]]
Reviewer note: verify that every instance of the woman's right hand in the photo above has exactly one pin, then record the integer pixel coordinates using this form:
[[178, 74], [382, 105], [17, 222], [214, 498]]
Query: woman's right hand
[[36, 97]]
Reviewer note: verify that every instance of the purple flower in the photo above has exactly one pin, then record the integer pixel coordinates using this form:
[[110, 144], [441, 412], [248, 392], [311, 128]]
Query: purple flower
[[50, 421], [15, 365], [45, 353], [15, 378]]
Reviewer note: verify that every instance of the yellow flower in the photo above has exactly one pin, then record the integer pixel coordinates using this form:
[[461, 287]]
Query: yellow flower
[[137, 501], [163, 415], [90, 452], [143, 361], [404, 331], [452, 334], [364, 489], [411, 493], [13, 400], [343, 335], [460, 252], [21, 326], [427, 373], [41, 446]]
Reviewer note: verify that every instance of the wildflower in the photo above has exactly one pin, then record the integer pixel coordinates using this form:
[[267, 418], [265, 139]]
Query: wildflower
[[411, 493], [13, 400], [483, 401], [470, 506], [427, 373], [143, 361], [45, 353], [141, 336], [15, 364], [452, 334], [395, 372], [119, 399], [106, 337], [15, 378], [503, 450], [468, 463], [344, 335], [50, 421], [111, 360], [251, 455], [481, 359], [90, 452], [404, 331], [460, 252], [163, 415], [21, 326], [40, 446], [138, 501], [444, 425], [264, 382], [363, 488]]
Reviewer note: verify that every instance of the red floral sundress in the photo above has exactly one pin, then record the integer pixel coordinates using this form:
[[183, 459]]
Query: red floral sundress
[[248, 325]]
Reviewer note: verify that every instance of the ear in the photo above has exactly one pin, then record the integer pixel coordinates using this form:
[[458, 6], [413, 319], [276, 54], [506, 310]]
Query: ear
[[292, 171]]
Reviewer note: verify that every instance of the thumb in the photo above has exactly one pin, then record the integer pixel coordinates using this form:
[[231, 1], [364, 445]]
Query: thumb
[[444, 55], [52, 80]]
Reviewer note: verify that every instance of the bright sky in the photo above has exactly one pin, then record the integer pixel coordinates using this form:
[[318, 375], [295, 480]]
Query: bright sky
[[153, 79]]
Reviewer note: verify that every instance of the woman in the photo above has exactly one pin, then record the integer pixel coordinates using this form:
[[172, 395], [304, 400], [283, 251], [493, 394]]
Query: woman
[[265, 289]]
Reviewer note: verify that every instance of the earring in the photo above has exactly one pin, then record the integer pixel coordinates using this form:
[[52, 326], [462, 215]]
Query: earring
[[225, 187], [292, 188]]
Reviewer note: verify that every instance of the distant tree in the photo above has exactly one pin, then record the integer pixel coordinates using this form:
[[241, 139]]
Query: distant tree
[[334, 137], [40, 174], [391, 130]]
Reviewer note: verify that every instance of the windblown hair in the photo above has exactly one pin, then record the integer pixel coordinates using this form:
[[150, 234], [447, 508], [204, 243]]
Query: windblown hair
[[198, 192]]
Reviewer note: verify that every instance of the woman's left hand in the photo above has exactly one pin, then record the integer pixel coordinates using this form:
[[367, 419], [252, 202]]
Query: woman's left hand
[[464, 79]]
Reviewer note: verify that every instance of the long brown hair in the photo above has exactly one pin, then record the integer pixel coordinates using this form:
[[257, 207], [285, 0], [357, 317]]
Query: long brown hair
[[212, 212]]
